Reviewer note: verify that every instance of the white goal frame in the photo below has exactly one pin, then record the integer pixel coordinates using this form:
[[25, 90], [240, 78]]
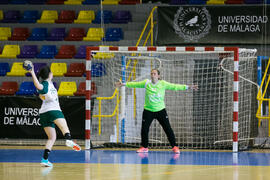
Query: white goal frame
[[162, 49]]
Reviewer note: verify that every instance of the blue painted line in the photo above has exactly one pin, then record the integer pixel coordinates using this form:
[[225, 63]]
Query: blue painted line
[[131, 157]]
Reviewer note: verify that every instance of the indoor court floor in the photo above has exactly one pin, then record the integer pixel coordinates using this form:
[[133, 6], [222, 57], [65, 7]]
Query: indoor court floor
[[22, 163]]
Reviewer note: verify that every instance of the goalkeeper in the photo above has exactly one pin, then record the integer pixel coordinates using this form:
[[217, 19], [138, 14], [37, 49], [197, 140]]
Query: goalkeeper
[[154, 106]]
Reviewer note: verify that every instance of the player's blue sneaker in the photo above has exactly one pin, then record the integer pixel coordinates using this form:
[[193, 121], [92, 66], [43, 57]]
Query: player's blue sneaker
[[46, 163]]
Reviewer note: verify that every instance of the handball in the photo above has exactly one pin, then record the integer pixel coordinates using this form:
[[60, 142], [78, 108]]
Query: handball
[[27, 65]]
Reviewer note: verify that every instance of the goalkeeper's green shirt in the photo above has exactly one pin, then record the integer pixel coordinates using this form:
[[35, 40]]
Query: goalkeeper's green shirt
[[154, 93]]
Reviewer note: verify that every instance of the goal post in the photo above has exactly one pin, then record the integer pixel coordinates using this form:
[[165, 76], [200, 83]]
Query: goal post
[[218, 115]]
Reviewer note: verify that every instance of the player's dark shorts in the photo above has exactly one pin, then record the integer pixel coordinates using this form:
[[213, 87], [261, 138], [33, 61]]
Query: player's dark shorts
[[47, 118]]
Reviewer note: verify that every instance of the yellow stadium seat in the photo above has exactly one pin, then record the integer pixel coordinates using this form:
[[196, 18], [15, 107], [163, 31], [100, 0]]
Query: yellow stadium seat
[[85, 17], [110, 2], [67, 88], [1, 15], [102, 55], [215, 2], [5, 33], [48, 16], [94, 34], [74, 2], [58, 69], [17, 70], [10, 51]]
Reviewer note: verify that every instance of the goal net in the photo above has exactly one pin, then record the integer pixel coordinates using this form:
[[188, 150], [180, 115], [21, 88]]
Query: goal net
[[220, 113]]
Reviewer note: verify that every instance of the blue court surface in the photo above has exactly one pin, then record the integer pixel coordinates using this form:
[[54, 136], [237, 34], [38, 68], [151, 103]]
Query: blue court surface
[[131, 157]]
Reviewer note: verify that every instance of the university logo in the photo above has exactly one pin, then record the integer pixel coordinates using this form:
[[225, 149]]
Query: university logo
[[192, 23]]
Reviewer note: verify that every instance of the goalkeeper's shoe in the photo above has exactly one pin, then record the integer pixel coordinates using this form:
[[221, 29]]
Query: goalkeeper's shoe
[[142, 150], [46, 163], [176, 150], [73, 145]]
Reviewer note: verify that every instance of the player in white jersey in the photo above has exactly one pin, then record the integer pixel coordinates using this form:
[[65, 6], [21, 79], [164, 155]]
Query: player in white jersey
[[50, 112]]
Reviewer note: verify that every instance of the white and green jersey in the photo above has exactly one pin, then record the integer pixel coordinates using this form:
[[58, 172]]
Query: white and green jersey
[[154, 93], [49, 97]]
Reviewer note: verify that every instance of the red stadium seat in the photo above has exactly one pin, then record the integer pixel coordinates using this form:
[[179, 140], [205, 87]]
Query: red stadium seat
[[75, 34], [9, 88], [81, 89], [19, 34], [66, 16], [75, 70], [66, 52]]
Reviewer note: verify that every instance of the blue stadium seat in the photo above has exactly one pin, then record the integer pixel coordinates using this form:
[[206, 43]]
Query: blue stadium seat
[[47, 51], [199, 2], [37, 1], [98, 70], [29, 16], [91, 2], [18, 2], [4, 68], [107, 17], [114, 34], [57, 34], [4, 2], [38, 34], [81, 53], [27, 88]]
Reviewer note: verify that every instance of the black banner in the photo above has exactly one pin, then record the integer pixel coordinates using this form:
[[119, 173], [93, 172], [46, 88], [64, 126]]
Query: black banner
[[19, 117], [213, 25]]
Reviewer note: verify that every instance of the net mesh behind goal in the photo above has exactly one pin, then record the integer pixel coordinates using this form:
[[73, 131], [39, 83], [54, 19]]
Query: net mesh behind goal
[[200, 119]]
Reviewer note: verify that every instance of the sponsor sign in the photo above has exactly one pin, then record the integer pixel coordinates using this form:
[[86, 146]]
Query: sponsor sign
[[213, 25]]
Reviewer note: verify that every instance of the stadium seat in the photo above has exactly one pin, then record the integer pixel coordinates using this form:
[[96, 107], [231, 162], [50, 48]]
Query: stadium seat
[[85, 17], [17, 69], [18, 2], [103, 55], [75, 34], [253, 1], [11, 16], [48, 16], [81, 53], [66, 16], [1, 15], [91, 2], [114, 34], [19, 34], [58, 69], [9, 88], [73, 2], [110, 2], [29, 17], [215, 2], [4, 68], [122, 17], [178, 2], [4, 2], [67, 88], [82, 89], [129, 2], [94, 34], [5, 33], [27, 88], [75, 70], [38, 34], [199, 2], [36, 1], [66, 52], [98, 70], [28, 51], [10, 51], [47, 51], [55, 2], [107, 17], [234, 1], [57, 34], [37, 67]]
